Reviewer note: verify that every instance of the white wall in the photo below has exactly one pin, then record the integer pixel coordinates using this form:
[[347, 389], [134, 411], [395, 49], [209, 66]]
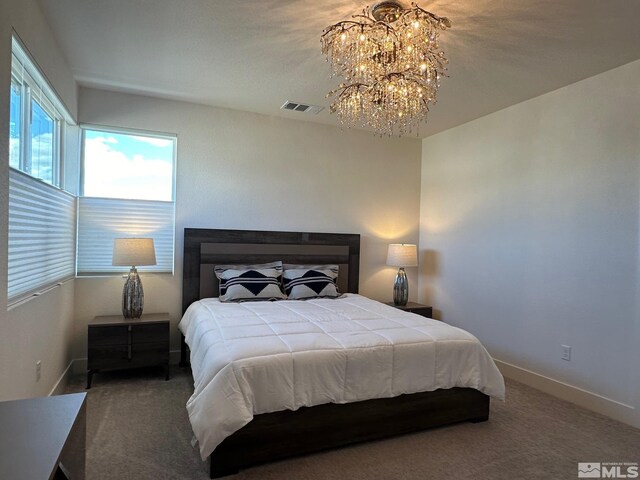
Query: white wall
[[42, 328], [529, 234], [248, 171]]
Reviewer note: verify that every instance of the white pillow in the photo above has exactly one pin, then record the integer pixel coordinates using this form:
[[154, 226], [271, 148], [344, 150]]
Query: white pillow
[[310, 281], [250, 282]]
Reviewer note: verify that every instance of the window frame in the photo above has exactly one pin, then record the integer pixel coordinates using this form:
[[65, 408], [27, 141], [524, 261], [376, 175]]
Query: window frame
[[90, 199], [32, 195]]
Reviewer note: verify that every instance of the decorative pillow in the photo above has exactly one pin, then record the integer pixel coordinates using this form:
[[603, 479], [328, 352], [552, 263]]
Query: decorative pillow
[[250, 282], [310, 281]]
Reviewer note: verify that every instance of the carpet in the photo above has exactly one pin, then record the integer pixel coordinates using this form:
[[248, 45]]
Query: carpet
[[137, 428]]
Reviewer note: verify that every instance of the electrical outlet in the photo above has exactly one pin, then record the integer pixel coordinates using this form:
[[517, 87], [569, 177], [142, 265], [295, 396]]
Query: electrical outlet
[[38, 370], [566, 353]]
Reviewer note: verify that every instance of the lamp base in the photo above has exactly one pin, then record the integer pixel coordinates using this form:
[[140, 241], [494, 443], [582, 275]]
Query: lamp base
[[401, 288], [132, 295]]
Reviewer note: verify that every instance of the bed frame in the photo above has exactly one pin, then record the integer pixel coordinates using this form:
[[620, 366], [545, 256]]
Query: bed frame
[[273, 436]]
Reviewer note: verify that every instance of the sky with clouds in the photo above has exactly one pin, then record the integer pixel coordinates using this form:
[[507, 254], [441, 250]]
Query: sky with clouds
[[116, 165], [41, 131], [120, 165]]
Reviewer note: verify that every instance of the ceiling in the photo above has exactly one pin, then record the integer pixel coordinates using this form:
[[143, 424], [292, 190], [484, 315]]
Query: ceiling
[[254, 55]]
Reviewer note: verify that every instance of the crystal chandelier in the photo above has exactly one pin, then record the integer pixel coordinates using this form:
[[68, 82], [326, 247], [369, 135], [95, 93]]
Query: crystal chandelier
[[390, 63]]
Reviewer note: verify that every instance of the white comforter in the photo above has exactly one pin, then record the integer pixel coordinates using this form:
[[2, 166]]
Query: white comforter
[[258, 357]]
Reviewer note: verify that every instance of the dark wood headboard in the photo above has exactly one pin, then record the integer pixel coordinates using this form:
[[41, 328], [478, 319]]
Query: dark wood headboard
[[205, 248]]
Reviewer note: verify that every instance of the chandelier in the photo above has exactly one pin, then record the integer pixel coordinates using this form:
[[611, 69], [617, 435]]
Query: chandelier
[[391, 66]]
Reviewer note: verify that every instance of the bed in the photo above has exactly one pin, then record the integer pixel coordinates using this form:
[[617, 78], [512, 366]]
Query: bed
[[247, 429]]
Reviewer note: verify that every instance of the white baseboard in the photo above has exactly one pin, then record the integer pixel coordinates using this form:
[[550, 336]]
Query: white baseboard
[[63, 381], [79, 366], [591, 401]]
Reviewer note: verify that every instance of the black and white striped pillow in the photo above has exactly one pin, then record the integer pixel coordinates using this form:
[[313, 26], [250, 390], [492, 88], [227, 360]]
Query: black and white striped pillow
[[240, 283], [310, 281]]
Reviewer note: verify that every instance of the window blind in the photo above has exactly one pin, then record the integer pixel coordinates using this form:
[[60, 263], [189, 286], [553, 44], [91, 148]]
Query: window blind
[[100, 220], [42, 236]]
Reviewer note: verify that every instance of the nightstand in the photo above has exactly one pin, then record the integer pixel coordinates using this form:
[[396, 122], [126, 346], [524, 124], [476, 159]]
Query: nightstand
[[116, 343], [414, 307]]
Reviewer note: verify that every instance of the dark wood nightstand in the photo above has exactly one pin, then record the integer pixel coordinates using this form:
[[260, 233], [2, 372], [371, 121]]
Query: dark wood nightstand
[[413, 307], [117, 343]]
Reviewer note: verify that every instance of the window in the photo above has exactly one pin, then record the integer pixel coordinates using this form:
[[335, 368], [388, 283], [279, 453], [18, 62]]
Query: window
[[127, 190], [15, 123], [42, 217], [41, 135], [36, 122]]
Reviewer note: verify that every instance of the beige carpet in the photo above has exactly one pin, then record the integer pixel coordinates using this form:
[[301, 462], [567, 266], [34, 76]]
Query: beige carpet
[[137, 428]]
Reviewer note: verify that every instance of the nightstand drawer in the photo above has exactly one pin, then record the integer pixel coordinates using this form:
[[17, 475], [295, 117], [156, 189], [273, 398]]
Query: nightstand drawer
[[150, 354], [111, 335], [107, 356], [151, 333]]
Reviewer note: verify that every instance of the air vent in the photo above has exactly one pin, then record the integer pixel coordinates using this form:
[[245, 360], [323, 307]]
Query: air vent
[[301, 107]]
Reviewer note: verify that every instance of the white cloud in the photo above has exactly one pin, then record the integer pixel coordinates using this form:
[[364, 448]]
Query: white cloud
[[14, 152], [113, 174], [42, 157], [155, 141]]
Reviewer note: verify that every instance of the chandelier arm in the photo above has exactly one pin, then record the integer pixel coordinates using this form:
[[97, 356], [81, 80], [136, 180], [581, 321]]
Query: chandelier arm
[[365, 17], [441, 20], [389, 30], [347, 88], [353, 24], [341, 25], [385, 24], [436, 59]]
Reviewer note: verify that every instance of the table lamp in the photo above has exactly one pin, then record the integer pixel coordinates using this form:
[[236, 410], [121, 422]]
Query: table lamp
[[402, 255], [133, 252]]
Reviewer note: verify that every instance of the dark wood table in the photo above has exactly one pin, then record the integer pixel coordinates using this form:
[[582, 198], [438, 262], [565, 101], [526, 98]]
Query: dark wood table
[[116, 343], [413, 307], [43, 438]]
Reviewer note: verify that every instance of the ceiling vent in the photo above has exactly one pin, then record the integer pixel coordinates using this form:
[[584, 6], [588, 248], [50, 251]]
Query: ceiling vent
[[301, 107]]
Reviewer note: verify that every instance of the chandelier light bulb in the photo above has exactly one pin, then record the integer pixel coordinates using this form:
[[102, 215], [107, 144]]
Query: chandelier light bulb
[[386, 57]]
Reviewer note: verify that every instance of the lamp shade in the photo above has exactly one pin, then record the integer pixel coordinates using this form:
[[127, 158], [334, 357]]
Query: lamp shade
[[133, 252], [402, 255]]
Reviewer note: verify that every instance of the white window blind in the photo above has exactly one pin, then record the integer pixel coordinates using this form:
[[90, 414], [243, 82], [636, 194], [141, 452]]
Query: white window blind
[[42, 233], [100, 220]]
